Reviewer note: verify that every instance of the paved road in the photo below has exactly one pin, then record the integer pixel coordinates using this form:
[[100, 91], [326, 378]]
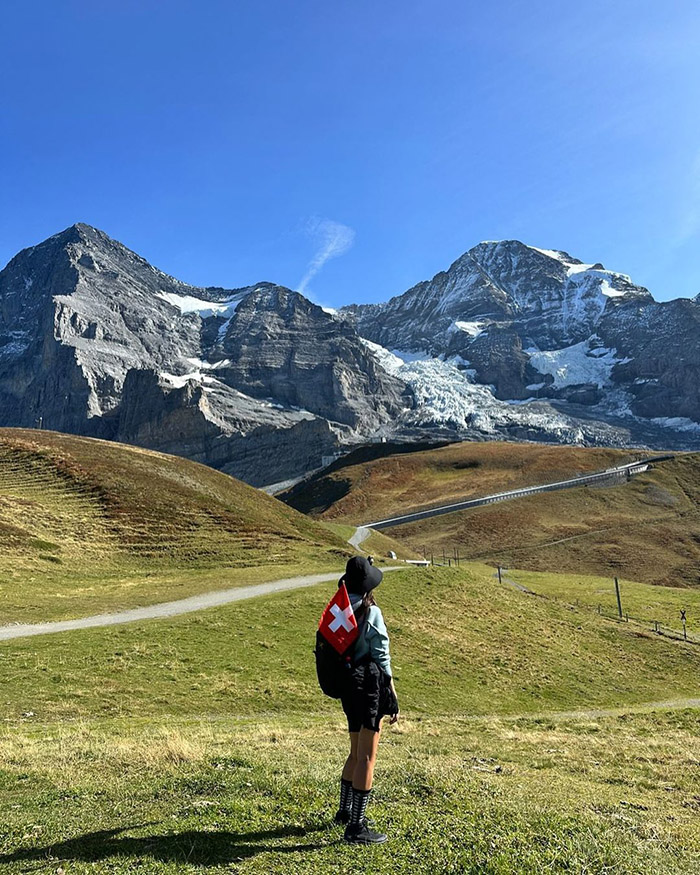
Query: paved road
[[171, 609], [361, 535], [597, 477]]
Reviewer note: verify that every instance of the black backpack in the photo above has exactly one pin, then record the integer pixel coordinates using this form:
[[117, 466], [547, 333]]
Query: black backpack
[[332, 668]]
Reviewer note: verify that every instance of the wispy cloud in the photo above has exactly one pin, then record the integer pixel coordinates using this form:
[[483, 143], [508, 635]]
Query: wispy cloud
[[332, 239]]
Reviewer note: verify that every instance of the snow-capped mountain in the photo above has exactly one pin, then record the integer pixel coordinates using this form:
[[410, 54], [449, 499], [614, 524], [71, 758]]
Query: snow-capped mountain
[[511, 341], [525, 323], [257, 381]]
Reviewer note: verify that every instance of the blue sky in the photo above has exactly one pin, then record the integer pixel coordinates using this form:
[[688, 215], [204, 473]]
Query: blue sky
[[230, 142]]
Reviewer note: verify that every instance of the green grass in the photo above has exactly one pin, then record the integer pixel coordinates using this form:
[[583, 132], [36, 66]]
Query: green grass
[[492, 650], [202, 743], [661, 603], [378, 544], [495, 797], [88, 526]]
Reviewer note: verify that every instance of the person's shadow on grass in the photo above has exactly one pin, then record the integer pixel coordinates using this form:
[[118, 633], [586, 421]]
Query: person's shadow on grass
[[197, 847]]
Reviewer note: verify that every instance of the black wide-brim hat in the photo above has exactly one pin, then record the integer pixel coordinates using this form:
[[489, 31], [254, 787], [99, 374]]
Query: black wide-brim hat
[[360, 576]]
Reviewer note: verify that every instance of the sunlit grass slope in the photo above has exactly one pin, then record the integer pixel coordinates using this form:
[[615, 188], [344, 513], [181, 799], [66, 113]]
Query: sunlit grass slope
[[605, 796], [640, 600], [203, 743], [88, 525], [358, 492], [462, 644], [376, 543], [647, 529]]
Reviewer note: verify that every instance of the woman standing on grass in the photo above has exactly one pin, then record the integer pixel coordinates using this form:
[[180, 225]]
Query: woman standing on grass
[[370, 696]]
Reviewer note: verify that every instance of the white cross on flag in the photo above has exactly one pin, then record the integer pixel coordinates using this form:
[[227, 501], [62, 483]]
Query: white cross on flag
[[338, 624]]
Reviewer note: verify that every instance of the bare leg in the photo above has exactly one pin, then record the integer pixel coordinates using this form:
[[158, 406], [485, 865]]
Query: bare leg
[[367, 743], [351, 761]]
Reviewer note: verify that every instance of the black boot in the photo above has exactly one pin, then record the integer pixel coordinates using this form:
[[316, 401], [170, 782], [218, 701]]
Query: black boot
[[342, 815], [357, 831]]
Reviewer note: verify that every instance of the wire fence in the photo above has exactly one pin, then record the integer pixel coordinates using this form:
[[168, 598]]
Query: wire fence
[[657, 626], [453, 558]]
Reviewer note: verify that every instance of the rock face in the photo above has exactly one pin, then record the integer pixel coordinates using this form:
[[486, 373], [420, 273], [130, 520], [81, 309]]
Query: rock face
[[511, 341], [257, 381], [530, 322]]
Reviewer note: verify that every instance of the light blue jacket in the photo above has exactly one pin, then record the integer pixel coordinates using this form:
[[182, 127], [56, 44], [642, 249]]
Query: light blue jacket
[[374, 639]]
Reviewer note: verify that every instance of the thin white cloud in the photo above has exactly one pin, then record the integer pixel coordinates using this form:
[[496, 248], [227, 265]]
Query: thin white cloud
[[332, 239]]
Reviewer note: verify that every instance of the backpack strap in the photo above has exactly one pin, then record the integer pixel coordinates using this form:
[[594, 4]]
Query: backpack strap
[[361, 617]]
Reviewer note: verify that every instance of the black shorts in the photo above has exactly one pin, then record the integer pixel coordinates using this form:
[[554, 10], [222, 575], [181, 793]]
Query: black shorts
[[368, 698]]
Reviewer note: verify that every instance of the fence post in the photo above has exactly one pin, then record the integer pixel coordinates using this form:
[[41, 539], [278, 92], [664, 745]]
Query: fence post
[[619, 601], [685, 633], [499, 574]]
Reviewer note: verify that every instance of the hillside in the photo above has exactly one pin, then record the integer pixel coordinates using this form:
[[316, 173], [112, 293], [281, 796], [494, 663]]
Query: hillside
[[646, 530], [365, 485], [89, 525], [204, 741], [445, 623]]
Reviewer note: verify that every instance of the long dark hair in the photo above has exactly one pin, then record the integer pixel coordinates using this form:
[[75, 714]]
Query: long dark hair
[[368, 600]]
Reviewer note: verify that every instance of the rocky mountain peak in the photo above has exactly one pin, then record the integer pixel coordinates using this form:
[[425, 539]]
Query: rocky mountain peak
[[262, 382], [95, 340]]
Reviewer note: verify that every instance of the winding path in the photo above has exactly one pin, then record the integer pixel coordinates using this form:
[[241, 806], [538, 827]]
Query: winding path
[[360, 536], [171, 609]]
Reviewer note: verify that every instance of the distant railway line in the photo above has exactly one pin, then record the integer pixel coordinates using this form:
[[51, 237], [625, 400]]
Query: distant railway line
[[617, 474]]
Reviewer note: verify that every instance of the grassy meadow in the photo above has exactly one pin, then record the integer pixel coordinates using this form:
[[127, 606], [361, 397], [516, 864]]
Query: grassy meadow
[[527, 741], [88, 526], [639, 600]]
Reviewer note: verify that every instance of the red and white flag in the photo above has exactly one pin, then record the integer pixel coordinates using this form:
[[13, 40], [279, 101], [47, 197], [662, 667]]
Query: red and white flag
[[338, 624]]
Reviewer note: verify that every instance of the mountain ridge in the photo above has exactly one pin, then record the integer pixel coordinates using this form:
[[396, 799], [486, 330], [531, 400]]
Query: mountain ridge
[[511, 340]]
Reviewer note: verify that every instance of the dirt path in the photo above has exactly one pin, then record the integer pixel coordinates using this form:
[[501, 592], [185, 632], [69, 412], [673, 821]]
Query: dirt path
[[513, 583], [592, 713], [171, 609]]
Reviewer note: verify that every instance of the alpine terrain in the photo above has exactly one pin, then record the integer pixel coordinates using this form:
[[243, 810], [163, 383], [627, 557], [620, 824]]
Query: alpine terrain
[[512, 335], [257, 381], [511, 341]]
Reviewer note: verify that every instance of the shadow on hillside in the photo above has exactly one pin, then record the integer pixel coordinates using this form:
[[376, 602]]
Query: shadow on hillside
[[199, 848]]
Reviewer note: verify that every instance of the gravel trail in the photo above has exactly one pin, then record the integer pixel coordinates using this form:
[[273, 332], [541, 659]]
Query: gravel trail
[[171, 609]]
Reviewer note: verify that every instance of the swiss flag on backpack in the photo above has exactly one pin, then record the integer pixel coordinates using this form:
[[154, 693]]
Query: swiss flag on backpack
[[338, 624]]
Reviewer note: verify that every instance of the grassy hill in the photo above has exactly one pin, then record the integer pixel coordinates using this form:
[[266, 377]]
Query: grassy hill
[[498, 651], [646, 530], [88, 525], [203, 741], [357, 489]]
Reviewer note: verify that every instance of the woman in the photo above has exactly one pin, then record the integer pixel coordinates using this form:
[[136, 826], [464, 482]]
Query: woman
[[370, 696]]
